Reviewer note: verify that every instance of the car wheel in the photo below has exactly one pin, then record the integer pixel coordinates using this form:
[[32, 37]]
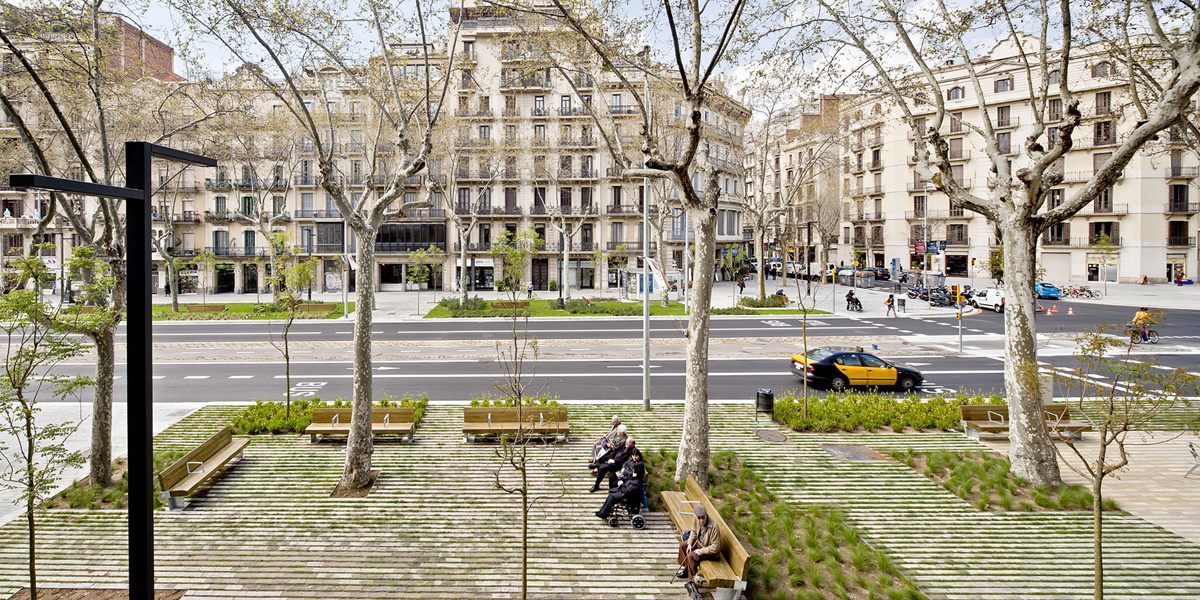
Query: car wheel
[[837, 384], [975, 304], [999, 308], [907, 384]]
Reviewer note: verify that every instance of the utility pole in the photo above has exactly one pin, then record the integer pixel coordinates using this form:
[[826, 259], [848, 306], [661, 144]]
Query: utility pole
[[646, 257]]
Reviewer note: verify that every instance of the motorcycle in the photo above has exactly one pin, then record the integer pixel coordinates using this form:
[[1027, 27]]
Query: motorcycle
[[936, 299]]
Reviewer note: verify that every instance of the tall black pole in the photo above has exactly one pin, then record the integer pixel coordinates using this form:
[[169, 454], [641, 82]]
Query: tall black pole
[[140, 366]]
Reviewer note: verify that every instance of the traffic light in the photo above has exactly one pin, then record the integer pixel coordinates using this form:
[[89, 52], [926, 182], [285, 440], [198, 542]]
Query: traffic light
[[972, 261], [954, 297]]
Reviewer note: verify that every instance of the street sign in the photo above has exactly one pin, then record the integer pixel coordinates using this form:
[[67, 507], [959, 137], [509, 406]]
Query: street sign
[[941, 245], [920, 247]]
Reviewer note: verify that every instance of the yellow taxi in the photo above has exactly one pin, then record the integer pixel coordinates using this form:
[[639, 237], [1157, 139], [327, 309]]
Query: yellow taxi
[[839, 369]]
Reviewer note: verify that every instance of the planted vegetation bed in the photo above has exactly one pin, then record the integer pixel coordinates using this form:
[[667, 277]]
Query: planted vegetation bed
[[872, 412], [795, 552], [273, 418], [984, 480], [247, 310], [91, 594], [83, 495]]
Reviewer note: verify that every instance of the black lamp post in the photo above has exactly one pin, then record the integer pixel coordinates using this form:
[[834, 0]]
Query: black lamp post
[[139, 356]]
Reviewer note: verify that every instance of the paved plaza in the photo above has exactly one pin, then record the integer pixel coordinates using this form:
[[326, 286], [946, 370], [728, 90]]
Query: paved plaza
[[435, 528]]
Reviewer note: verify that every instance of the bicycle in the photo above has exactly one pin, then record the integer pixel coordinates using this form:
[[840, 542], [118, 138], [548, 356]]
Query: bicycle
[[1136, 335]]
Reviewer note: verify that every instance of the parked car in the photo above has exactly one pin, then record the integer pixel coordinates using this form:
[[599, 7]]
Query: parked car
[[837, 369], [992, 298], [880, 273], [1046, 290]]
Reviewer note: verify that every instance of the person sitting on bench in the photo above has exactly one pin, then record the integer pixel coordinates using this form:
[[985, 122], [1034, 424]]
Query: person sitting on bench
[[613, 439], [703, 542], [629, 485], [613, 464]]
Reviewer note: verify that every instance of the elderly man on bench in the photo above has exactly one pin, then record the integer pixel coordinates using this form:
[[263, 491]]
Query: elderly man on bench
[[703, 542]]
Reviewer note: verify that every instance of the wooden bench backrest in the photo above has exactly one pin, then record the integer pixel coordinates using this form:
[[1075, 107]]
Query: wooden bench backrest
[[171, 475], [731, 548], [508, 414], [980, 413], [393, 414]]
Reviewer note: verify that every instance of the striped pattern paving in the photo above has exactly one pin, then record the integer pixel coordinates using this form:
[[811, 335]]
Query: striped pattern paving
[[435, 527]]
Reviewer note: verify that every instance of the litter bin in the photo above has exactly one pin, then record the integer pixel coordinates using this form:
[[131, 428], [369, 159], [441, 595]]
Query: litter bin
[[764, 402]]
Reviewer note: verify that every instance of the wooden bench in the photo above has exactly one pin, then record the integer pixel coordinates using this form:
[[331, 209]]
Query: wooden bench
[[204, 307], [385, 420], [324, 307], [184, 476], [991, 421], [539, 422], [519, 304], [726, 577]]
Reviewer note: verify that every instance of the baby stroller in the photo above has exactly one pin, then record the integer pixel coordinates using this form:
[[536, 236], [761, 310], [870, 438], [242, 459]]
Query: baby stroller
[[629, 508]]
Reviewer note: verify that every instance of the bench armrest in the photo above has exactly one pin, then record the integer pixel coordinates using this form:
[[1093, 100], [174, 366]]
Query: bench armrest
[[199, 467], [387, 419], [335, 419], [686, 512], [995, 417], [1053, 418]]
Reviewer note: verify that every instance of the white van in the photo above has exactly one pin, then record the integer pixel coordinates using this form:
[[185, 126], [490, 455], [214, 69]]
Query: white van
[[992, 298]]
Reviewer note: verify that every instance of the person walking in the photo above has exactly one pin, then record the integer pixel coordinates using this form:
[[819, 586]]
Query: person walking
[[890, 303], [741, 285]]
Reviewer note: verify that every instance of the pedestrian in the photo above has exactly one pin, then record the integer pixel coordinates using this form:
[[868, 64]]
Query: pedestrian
[[1178, 278], [891, 305], [741, 285]]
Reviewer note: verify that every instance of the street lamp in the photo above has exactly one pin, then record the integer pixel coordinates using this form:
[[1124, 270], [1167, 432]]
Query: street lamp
[[139, 348]]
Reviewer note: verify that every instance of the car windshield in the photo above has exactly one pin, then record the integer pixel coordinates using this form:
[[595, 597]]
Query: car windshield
[[819, 354]]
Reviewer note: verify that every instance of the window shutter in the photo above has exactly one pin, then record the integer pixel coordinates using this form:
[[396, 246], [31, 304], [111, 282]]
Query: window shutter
[[1066, 231], [1116, 233], [1091, 232], [1046, 236]]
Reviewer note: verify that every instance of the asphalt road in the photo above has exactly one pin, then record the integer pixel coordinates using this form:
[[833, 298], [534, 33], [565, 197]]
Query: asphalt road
[[1088, 314], [601, 379]]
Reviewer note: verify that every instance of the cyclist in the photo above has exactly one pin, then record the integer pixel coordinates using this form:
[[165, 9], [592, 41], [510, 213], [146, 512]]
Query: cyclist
[[1142, 321]]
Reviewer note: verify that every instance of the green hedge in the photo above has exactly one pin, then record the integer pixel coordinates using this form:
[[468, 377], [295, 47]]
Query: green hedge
[[851, 412], [772, 301], [487, 400], [578, 306], [736, 310], [271, 417]]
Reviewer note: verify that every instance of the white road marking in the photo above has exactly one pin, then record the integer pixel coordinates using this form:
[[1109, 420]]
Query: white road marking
[[196, 377], [241, 377]]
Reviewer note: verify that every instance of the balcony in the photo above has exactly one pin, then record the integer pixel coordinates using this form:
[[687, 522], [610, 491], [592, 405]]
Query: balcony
[[856, 146], [1097, 142], [540, 141], [318, 214], [630, 246], [874, 190], [1009, 123], [525, 83], [960, 155], [1083, 176], [587, 141], [583, 82], [511, 113], [875, 165], [473, 246], [235, 251], [304, 180], [406, 247], [1108, 209], [622, 110], [922, 186], [747, 234], [856, 169], [473, 143], [1081, 242], [622, 209], [539, 113], [915, 215], [875, 141], [613, 172], [1181, 208], [577, 174], [1179, 172], [425, 213], [577, 111], [218, 185], [1181, 241], [958, 241], [866, 215]]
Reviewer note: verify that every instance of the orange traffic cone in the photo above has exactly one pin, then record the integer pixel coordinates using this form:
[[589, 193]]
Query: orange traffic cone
[[1070, 311], [1053, 309]]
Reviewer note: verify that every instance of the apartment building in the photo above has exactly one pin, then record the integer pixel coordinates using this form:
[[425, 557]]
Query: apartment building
[[518, 148], [892, 217]]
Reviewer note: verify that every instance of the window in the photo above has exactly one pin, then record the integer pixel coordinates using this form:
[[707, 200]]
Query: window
[[1058, 233], [956, 122], [1104, 201], [956, 147], [1177, 198], [306, 203], [248, 241], [277, 205], [1054, 77], [1004, 84], [956, 234], [1103, 103], [1102, 69], [485, 133], [1004, 142], [920, 99], [1052, 135], [955, 93], [219, 204], [1098, 160], [539, 103], [565, 105], [1102, 133], [1003, 116], [1054, 110], [919, 125], [1054, 199], [919, 206]]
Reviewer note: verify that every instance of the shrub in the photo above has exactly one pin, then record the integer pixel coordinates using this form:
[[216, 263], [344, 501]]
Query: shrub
[[773, 301], [271, 417], [852, 411], [736, 310], [487, 400]]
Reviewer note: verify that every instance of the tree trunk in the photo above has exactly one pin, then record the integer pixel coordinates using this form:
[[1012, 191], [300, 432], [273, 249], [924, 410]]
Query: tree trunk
[[693, 446], [287, 369], [1097, 515], [31, 473], [464, 276], [100, 461], [359, 445], [1030, 450], [760, 264], [173, 278], [524, 526]]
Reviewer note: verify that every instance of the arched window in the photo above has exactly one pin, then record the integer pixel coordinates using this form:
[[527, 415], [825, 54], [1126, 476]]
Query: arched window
[[955, 93], [875, 110], [1102, 69], [921, 99], [1054, 77]]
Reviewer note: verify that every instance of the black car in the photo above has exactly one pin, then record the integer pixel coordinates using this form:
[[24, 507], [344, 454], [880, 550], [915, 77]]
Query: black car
[[880, 273], [837, 369]]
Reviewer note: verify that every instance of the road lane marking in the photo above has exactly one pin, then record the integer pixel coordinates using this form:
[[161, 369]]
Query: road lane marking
[[196, 377], [241, 377]]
